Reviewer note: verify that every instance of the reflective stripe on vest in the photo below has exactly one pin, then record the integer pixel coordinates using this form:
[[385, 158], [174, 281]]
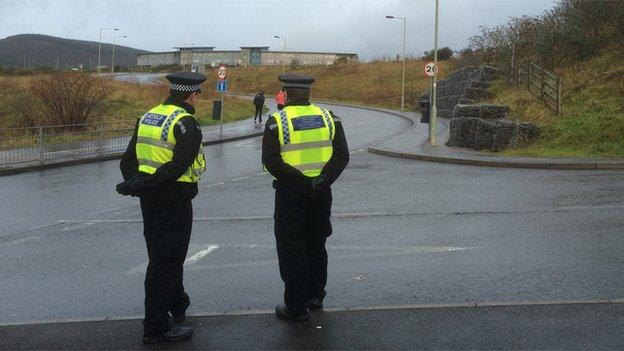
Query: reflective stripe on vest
[[155, 142], [305, 136]]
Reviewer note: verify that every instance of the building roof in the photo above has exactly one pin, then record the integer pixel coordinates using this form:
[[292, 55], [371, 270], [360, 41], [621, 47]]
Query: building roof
[[194, 48], [263, 48]]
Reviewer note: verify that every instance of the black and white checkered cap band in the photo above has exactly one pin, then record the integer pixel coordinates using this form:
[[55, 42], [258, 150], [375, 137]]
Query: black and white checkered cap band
[[182, 87]]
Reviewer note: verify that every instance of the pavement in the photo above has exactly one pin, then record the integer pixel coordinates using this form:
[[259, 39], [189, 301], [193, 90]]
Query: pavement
[[548, 326]]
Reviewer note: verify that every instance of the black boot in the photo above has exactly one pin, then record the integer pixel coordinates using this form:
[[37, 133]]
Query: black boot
[[282, 312], [176, 333], [315, 304]]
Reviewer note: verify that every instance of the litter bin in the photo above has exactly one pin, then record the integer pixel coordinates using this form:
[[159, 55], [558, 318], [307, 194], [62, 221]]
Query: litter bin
[[216, 109], [424, 110]]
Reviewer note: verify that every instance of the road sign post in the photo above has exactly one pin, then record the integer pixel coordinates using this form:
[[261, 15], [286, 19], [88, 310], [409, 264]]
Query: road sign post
[[222, 86], [430, 69]]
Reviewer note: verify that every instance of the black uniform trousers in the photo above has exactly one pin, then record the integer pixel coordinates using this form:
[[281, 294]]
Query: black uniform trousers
[[167, 231], [258, 112], [302, 224]]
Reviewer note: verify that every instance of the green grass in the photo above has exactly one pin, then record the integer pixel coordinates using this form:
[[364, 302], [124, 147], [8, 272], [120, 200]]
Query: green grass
[[592, 120]]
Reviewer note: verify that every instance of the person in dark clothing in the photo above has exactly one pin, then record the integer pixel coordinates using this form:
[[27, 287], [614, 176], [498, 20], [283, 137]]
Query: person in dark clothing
[[259, 103], [303, 197], [162, 165]]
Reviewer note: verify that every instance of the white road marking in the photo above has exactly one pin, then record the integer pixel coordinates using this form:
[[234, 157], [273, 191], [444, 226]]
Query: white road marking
[[390, 251], [139, 269], [239, 179], [262, 173], [359, 214], [214, 184], [198, 256], [189, 261], [247, 143], [77, 226]]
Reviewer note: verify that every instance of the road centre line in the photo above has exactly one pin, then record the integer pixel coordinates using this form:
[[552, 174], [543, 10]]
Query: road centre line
[[334, 309], [363, 215]]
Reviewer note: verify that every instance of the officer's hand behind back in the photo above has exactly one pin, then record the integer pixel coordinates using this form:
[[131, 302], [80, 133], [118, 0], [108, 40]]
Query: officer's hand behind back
[[317, 186]]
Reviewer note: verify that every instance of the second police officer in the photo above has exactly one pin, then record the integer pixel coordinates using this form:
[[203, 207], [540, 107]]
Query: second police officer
[[305, 149]]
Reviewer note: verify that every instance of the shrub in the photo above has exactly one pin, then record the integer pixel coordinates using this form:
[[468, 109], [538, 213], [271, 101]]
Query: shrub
[[69, 98], [444, 54]]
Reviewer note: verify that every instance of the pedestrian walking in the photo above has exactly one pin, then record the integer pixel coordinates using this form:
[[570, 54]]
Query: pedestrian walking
[[280, 99], [162, 165], [259, 103], [305, 149]]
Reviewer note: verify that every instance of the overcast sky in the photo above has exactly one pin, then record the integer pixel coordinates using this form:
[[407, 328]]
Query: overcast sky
[[356, 26]]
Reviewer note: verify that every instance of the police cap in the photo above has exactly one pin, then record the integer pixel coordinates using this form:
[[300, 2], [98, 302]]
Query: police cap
[[185, 81], [290, 80]]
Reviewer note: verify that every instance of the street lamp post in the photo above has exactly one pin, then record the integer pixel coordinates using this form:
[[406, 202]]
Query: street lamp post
[[283, 52], [403, 83], [113, 62], [100, 46], [434, 109]]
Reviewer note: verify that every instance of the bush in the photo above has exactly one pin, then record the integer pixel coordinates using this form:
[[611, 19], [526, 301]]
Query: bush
[[69, 98], [444, 54]]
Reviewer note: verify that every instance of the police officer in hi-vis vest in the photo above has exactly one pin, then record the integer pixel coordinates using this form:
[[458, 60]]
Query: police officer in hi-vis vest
[[162, 166], [305, 149]]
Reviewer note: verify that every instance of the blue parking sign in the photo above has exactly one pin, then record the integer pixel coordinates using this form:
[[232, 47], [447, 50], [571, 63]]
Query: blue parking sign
[[222, 85]]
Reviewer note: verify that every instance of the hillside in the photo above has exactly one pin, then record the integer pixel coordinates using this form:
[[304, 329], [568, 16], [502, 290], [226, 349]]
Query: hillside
[[37, 51], [373, 84], [592, 120]]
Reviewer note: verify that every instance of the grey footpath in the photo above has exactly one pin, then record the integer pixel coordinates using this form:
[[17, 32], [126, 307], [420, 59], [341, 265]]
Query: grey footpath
[[548, 326]]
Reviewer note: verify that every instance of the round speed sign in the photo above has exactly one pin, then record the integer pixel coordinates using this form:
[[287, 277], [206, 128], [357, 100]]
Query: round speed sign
[[222, 71], [430, 69]]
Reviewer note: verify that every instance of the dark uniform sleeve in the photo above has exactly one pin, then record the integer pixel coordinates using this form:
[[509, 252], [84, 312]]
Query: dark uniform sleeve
[[129, 165], [188, 141], [285, 174], [340, 156]]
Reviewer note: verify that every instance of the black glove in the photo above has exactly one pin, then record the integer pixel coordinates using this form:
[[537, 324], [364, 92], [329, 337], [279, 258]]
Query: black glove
[[317, 186], [132, 187]]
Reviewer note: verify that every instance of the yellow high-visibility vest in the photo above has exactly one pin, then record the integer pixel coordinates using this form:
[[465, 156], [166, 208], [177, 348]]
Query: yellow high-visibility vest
[[305, 136], [155, 142]]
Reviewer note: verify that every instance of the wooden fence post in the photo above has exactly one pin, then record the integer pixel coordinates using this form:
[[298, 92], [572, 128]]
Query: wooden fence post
[[529, 76], [558, 95], [543, 85]]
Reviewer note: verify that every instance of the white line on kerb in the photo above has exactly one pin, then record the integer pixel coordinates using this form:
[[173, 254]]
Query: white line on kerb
[[198, 256]]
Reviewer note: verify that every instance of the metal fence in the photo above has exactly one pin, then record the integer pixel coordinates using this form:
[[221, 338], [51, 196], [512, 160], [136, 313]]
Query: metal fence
[[50, 143]]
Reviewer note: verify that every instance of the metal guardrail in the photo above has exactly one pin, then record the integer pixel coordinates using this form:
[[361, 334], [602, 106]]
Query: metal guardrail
[[49, 143]]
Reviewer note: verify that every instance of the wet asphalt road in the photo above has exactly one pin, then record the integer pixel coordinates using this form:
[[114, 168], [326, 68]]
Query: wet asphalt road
[[405, 232]]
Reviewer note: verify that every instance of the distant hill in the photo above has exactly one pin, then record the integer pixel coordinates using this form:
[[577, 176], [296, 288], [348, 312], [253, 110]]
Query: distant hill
[[37, 50]]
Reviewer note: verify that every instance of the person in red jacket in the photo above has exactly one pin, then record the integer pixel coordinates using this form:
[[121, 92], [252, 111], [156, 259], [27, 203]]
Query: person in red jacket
[[280, 99]]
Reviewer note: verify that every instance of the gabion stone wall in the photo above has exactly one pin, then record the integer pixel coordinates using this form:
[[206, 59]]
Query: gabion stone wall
[[464, 86], [489, 134]]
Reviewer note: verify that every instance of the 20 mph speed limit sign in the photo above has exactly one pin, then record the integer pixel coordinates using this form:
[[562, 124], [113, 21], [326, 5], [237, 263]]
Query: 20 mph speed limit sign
[[430, 69], [222, 71]]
